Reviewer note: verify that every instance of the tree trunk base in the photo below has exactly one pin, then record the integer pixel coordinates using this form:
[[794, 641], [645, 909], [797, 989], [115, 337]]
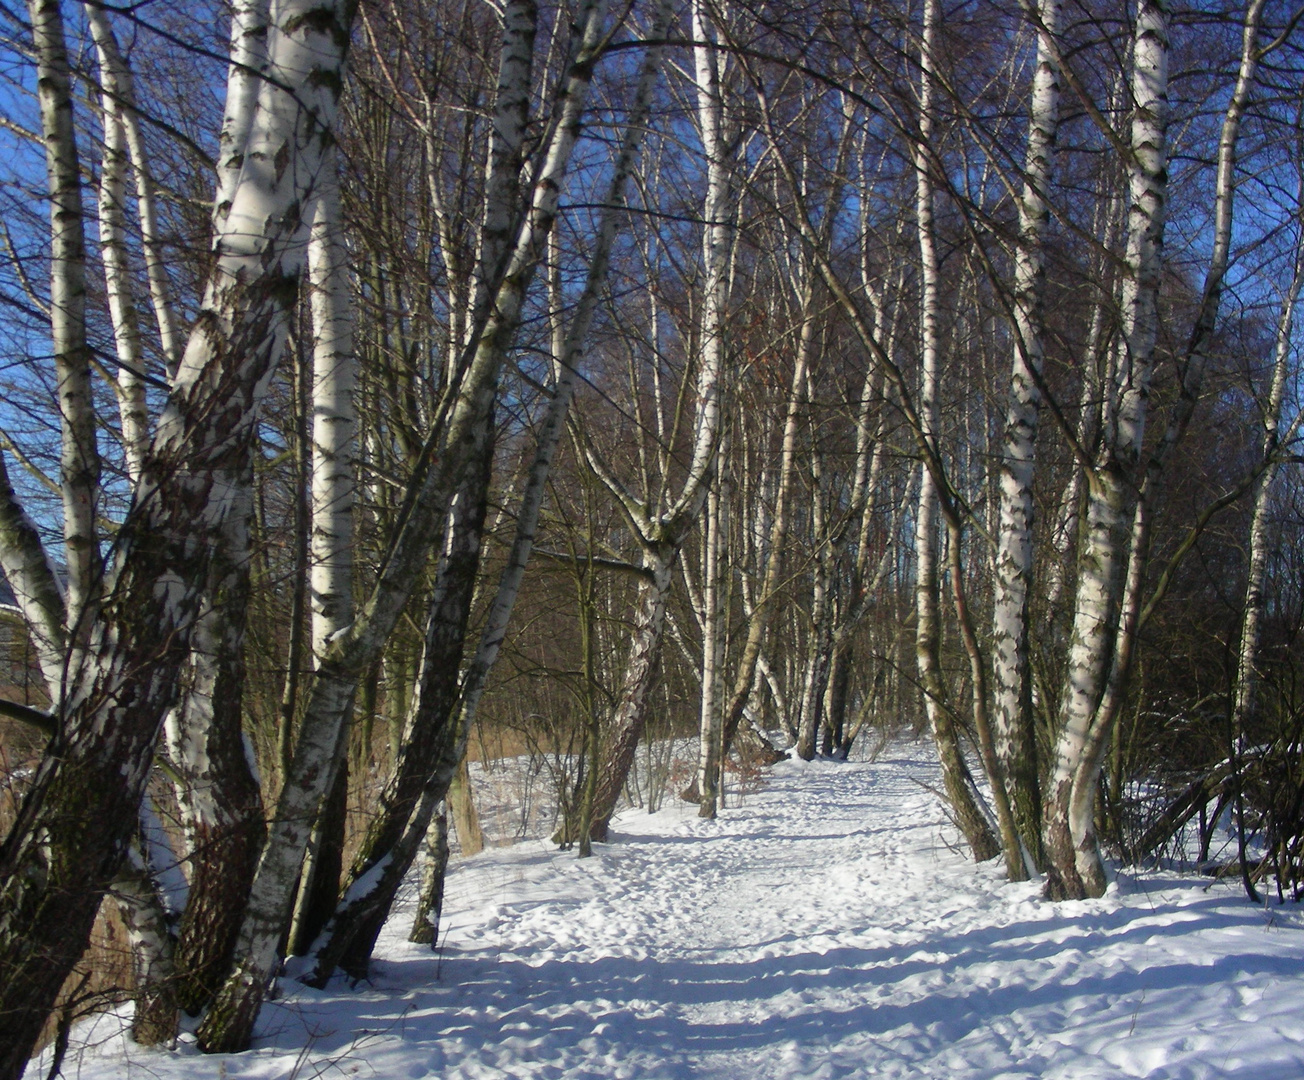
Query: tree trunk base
[[229, 1026]]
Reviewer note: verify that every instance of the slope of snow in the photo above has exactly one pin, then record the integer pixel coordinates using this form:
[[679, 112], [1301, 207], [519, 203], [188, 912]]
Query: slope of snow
[[827, 928]]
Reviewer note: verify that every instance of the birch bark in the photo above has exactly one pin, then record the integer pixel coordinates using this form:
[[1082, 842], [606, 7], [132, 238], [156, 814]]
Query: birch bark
[[1074, 868], [217, 794], [714, 623], [79, 459], [959, 783], [75, 825], [1090, 738], [130, 382], [1244, 692], [330, 519], [1015, 738], [120, 99]]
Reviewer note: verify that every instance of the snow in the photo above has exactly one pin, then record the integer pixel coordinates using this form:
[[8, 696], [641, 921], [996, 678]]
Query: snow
[[827, 927]]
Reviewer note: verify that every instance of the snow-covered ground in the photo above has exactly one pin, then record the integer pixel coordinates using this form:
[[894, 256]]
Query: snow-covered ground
[[828, 927]]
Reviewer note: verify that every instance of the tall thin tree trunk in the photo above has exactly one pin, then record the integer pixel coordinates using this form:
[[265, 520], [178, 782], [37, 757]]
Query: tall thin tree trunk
[[1247, 674], [762, 608], [120, 100], [1014, 729], [959, 784], [130, 382], [331, 544], [1074, 868], [714, 622], [79, 459]]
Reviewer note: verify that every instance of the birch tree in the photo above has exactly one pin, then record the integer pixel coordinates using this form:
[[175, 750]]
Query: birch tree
[[659, 521], [450, 451], [129, 623], [1015, 736], [965, 802], [1110, 602]]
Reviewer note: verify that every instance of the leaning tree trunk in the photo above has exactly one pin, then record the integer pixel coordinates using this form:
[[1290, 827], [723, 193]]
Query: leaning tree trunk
[[74, 828], [630, 715], [661, 534], [441, 733], [570, 359], [369, 893], [760, 616]]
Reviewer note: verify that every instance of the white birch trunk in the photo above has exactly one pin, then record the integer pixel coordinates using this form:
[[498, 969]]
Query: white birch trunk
[[1014, 737], [334, 377], [130, 383], [217, 794], [79, 459], [814, 668], [250, 29], [330, 514], [661, 532], [118, 85], [714, 622], [959, 784], [630, 714], [155, 1017], [703, 468], [1069, 833]]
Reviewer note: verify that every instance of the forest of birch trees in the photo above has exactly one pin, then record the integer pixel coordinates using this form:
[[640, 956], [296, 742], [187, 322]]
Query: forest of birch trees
[[385, 382]]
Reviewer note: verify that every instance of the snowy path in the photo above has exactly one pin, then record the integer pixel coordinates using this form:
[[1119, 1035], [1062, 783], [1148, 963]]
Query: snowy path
[[825, 929]]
